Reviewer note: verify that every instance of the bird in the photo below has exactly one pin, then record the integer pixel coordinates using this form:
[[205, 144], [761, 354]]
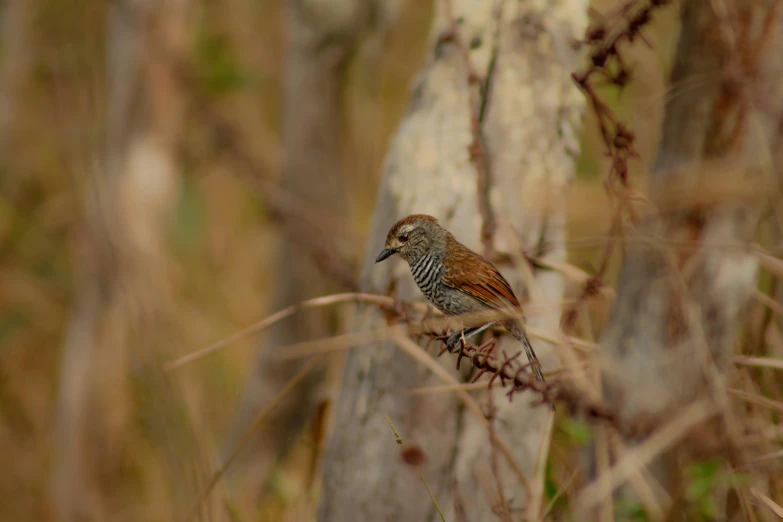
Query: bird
[[454, 278]]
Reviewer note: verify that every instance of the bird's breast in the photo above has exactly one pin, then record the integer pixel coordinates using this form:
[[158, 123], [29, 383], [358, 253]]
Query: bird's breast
[[426, 272]]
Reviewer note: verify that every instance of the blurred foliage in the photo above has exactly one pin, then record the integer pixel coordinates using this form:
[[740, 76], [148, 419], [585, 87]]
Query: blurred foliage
[[220, 244], [578, 432], [705, 481], [628, 510], [216, 66], [188, 221]]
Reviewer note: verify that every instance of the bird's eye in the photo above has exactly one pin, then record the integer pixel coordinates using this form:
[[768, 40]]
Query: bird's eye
[[404, 238]]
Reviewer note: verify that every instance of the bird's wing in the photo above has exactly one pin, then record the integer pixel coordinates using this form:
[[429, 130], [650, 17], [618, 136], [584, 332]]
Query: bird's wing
[[470, 273]]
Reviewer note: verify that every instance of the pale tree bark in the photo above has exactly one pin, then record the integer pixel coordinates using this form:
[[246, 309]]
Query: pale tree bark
[[321, 35], [675, 319], [530, 117], [114, 336]]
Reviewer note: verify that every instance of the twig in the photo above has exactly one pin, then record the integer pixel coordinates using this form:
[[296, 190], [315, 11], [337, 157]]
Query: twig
[[506, 368], [327, 300], [389, 304], [504, 511], [623, 25], [418, 354], [416, 469], [761, 362], [516, 375], [771, 504]]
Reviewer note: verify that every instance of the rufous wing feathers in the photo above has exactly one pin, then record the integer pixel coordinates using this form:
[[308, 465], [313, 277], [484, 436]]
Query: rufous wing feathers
[[477, 277]]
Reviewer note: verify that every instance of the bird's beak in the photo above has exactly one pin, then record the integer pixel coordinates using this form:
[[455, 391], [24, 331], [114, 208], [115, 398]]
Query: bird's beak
[[385, 254]]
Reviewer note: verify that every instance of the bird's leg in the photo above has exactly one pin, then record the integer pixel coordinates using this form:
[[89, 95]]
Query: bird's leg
[[463, 335]]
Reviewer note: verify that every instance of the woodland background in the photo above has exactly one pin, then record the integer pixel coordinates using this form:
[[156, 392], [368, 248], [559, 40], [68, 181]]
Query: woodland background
[[173, 172]]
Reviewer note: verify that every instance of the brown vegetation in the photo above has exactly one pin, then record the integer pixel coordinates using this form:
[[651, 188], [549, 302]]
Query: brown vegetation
[[173, 172]]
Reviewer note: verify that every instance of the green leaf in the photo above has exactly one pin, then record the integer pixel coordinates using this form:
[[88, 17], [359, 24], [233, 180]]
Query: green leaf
[[579, 432], [629, 510], [708, 507], [699, 489], [706, 469]]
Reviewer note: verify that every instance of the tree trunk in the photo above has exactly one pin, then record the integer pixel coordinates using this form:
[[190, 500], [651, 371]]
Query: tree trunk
[[529, 116], [675, 319]]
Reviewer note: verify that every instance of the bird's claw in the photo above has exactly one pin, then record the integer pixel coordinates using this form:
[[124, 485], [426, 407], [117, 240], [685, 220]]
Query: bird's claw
[[453, 342]]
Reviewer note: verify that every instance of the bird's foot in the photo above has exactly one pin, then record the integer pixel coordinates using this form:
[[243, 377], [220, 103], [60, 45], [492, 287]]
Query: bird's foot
[[440, 336], [444, 338], [455, 341], [456, 344]]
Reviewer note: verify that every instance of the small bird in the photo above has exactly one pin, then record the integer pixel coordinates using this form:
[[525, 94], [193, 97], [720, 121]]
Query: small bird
[[454, 278]]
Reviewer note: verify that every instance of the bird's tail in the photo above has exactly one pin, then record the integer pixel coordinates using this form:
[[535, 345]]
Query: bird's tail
[[520, 335]]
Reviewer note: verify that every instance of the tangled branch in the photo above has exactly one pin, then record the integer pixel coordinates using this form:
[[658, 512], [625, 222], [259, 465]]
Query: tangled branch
[[506, 368], [604, 38], [516, 376]]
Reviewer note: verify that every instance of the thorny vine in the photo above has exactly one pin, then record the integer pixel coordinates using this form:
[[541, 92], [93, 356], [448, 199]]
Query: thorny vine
[[506, 368], [604, 38], [515, 375], [485, 358]]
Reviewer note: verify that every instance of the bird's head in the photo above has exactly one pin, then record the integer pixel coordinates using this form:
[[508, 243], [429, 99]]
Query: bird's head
[[413, 237]]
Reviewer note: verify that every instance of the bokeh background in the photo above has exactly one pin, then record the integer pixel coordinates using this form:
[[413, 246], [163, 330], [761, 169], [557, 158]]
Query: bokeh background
[[142, 154]]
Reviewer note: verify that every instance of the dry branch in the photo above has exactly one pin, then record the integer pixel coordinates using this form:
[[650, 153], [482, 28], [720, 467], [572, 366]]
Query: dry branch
[[604, 38], [675, 319], [516, 376], [507, 369]]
